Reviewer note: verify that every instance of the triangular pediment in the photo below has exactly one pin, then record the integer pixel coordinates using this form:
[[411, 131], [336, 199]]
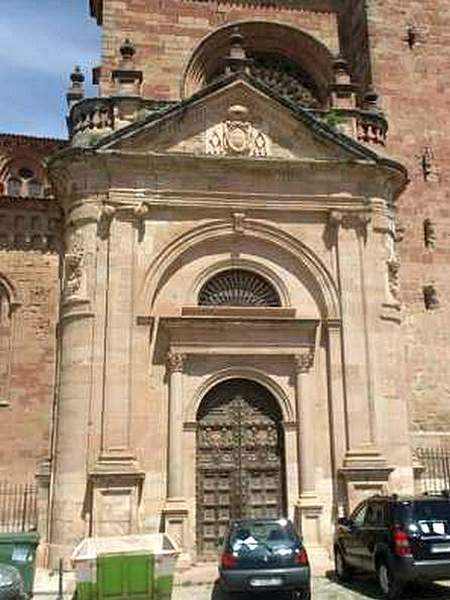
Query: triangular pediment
[[237, 119]]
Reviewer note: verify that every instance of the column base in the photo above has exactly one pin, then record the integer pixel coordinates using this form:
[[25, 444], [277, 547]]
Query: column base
[[175, 522], [308, 510], [114, 491], [365, 473]]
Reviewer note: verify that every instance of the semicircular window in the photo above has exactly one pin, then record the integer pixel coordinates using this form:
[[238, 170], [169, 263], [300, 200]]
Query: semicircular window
[[282, 75], [285, 77], [238, 287]]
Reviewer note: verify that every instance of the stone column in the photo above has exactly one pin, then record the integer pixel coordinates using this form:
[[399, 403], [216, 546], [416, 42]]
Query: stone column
[[175, 366], [75, 339], [305, 420], [351, 231], [175, 511], [336, 392], [308, 508], [338, 412], [364, 469]]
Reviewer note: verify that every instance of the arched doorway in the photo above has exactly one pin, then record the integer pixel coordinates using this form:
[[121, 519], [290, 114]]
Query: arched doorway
[[240, 459]]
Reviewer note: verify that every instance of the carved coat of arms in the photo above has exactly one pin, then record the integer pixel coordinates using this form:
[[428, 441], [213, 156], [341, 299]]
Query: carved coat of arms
[[237, 136]]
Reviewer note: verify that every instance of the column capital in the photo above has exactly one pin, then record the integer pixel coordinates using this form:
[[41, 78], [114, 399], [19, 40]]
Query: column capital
[[355, 219], [175, 362], [304, 361]]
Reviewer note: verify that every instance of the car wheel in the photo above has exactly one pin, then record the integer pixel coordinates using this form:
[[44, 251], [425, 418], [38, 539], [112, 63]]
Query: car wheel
[[341, 568], [304, 594], [389, 584]]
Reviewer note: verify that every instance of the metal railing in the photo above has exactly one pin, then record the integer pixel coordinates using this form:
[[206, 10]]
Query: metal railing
[[435, 469], [18, 507]]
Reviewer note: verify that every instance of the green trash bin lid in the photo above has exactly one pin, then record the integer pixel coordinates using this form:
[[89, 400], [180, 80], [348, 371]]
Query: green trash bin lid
[[20, 537]]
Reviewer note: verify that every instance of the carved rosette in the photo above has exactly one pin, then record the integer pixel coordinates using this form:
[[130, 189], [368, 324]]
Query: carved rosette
[[175, 362], [304, 361], [73, 266], [237, 136]]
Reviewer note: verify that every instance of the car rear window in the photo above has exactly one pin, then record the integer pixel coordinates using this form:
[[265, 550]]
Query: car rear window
[[431, 511], [427, 510], [266, 533]]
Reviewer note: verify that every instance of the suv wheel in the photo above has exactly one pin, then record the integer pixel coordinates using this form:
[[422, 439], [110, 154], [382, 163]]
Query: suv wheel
[[304, 594], [342, 570], [389, 585]]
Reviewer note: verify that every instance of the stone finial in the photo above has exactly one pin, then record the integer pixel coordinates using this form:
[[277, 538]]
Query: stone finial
[[127, 79], [127, 50], [76, 88], [342, 91], [371, 100], [236, 61], [341, 70]]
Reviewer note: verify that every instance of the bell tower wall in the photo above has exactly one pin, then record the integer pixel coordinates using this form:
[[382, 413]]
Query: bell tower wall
[[166, 32], [410, 69]]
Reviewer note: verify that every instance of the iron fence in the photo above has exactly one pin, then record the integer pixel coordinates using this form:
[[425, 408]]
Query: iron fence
[[435, 462], [18, 507]]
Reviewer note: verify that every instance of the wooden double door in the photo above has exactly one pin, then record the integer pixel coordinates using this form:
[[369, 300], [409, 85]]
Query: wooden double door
[[240, 460]]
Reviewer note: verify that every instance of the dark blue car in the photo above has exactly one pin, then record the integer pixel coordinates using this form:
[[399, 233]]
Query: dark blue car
[[264, 554]]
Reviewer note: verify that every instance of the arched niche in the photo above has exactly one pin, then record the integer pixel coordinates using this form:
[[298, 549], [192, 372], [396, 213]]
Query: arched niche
[[264, 42], [174, 277]]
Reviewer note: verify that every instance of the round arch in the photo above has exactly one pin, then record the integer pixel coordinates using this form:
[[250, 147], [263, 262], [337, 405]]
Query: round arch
[[315, 275], [9, 289], [260, 36], [250, 373], [239, 263]]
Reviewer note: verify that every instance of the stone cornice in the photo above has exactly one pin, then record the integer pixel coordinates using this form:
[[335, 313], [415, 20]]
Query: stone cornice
[[195, 200], [323, 6], [100, 170], [223, 335]]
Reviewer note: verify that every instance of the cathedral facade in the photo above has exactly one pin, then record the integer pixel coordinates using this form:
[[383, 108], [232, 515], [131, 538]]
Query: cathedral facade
[[225, 293]]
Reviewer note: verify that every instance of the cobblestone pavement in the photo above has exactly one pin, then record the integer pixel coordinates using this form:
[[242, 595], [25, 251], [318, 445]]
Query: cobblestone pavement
[[323, 589]]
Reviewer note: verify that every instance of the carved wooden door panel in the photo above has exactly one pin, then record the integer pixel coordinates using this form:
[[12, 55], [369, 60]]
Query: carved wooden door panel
[[240, 460]]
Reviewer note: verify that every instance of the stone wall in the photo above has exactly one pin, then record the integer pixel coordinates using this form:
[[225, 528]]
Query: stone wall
[[29, 292], [411, 70], [26, 405]]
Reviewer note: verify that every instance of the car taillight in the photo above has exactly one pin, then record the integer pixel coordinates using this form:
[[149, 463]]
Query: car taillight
[[228, 560], [402, 546], [301, 558]]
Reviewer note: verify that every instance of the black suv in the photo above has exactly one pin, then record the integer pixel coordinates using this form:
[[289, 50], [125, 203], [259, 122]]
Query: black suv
[[400, 538]]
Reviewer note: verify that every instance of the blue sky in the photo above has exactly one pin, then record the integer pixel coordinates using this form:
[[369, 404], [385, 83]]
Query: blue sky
[[40, 42]]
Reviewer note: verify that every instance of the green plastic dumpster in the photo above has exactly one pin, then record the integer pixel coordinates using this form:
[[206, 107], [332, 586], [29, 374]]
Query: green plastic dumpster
[[19, 550], [131, 567]]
